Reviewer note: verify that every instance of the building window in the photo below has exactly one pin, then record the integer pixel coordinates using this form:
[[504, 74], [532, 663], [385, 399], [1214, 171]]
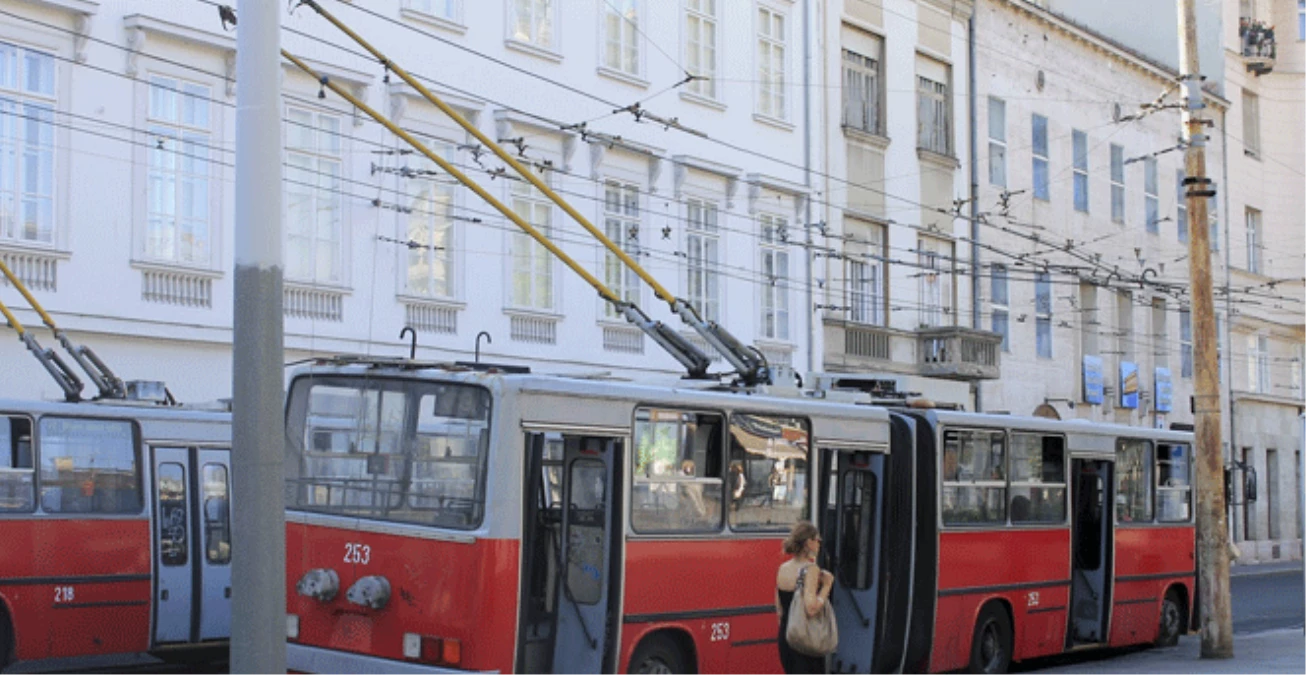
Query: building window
[[1125, 325], [1185, 343], [1151, 206], [1117, 184], [1000, 304], [700, 46], [1160, 334], [621, 36], [1043, 314], [1079, 143], [1040, 148], [26, 145], [313, 202], [1258, 364], [532, 264], [621, 221], [704, 244], [1254, 241], [430, 226], [1296, 372], [935, 269], [449, 10], [775, 277], [866, 280], [771, 66], [862, 106], [933, 123], [997, 142], [1181, 206], [178, 203], [531, 22], [1251, 124]]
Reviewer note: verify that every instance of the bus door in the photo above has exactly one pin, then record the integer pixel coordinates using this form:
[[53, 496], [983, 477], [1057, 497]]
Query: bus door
[[571, 552], [1091, 532], [192, 544], [852, 495]]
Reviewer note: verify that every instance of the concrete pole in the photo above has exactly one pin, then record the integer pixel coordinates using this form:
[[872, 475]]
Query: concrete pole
[[1212, 525], [258, 565]]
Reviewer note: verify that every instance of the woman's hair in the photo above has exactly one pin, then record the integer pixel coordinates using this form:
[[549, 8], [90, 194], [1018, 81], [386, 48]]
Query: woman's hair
[[798, 536]]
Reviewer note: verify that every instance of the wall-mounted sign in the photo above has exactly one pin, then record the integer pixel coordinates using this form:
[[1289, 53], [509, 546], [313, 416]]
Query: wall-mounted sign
[[1094, 380], [1128, 384], [1164, 390]]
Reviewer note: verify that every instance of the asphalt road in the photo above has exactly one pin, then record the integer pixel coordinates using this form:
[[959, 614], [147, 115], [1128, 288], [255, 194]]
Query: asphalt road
[[1266, 600]]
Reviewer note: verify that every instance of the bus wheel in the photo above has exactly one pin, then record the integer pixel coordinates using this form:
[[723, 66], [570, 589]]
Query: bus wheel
[[990, 650], [1172, 619], [658, 654]]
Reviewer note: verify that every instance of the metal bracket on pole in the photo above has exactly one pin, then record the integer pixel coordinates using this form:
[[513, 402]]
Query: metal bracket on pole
[[747, 361], [675, 344]]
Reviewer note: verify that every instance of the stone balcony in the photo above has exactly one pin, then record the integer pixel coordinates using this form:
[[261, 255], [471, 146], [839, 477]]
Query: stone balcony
[[956, 353], [949, 352], [1258, 46]]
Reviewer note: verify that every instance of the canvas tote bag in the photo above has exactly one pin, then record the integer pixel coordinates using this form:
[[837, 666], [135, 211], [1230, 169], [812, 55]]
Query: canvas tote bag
[[811, 635]]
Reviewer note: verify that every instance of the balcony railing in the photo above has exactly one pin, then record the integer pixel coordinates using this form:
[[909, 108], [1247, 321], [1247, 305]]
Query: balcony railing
[[957, 353], [1258, 45]]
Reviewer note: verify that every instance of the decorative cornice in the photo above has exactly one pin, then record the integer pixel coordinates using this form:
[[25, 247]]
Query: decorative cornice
[[401, 94], [681, 165], [758, 182], [139, 26]]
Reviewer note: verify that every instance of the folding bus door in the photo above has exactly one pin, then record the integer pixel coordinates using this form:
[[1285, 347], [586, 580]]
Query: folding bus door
[[174, 538], [852, 495], [214, 491], [571, 549]]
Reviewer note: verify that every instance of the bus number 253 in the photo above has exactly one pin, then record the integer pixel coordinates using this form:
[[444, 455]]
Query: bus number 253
[[358, 554]]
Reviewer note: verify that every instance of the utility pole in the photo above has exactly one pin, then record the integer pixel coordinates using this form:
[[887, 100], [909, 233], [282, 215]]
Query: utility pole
[[258, 565], [1212, 523]]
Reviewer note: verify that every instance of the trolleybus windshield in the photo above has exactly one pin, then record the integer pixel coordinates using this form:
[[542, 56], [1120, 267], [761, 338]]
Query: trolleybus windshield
[[399, 450]]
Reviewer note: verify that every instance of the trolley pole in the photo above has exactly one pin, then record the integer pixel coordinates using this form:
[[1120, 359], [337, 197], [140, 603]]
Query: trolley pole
[[258, 623], [1212, 523]]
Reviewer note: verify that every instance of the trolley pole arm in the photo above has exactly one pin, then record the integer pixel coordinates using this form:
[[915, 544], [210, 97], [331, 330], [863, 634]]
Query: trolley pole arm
[[62, 374], [743, 359], [110, 385], [683, 351]]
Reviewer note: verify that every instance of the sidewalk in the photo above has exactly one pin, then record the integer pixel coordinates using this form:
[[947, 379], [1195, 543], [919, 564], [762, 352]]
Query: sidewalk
[[1253, 569], [1276, 651]]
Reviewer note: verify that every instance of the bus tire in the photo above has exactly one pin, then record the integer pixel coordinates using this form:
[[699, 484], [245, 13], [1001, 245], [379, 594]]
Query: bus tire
[[990, 648], [658, 653], [1172, 620]]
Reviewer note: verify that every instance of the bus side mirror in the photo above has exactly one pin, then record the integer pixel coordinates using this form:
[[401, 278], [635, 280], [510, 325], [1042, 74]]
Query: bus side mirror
[[1249, 485]]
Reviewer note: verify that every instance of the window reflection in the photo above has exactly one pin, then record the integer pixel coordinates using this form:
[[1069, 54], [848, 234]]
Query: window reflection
[[767, 480]]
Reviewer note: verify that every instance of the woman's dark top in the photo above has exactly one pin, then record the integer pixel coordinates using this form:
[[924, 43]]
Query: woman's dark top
[[793, 661]]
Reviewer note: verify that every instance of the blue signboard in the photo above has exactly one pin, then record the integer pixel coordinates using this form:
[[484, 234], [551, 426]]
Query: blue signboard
[[1094, 380], [1164, 390], [1128, 384]]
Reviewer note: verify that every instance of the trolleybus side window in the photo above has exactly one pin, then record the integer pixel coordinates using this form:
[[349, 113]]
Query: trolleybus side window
[[217, 513], [974, 477], [17, 488], [172, 514], [1038, 479], [89, 466], [401, 450], [771, 454], [1133, 480], [677, 472], [1173, 483]]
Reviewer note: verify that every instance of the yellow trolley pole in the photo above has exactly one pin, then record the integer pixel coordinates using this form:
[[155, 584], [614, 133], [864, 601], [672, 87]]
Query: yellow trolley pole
[[747, 361], [110, 385], [686, 353], [64, 376]]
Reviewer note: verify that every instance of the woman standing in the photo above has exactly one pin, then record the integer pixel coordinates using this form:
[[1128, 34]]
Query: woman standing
[[803, 544]]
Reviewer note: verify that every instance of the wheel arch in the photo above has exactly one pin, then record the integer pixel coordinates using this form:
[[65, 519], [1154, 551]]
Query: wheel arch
[[8, 633], [1185, 605], [675, 634], [1003, 603]]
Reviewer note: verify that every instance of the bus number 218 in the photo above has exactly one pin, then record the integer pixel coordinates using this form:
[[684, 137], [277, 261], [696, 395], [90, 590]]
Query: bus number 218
[[63, 593]]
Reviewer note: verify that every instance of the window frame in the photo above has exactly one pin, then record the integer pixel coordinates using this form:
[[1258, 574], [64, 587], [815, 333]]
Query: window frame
[[626, 283], [531, 43], [1118, 201], [1043, 312], [867, 296], [611, 8], [31, 471], [937, 98], [695, 89], [452, 229], [870, 82], [1181, 207], [930, 250], [1158, 489], [1151, 196], [453, 20], [181, 133], [21, 97], [316, 193], [723, 524], [1251, 111], [776, 298], [728, 459], [944, 483], [771, 101], [997, 144], [1064, 485], [139, 455], [1039, 142], [1000, 307], [1185, 343], [520, 244], [1255, 241], [1148, 461], [1079, 167], [706, 276]]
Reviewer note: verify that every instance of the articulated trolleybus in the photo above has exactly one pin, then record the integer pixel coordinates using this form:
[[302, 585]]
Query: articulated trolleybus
[[448, 518]]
